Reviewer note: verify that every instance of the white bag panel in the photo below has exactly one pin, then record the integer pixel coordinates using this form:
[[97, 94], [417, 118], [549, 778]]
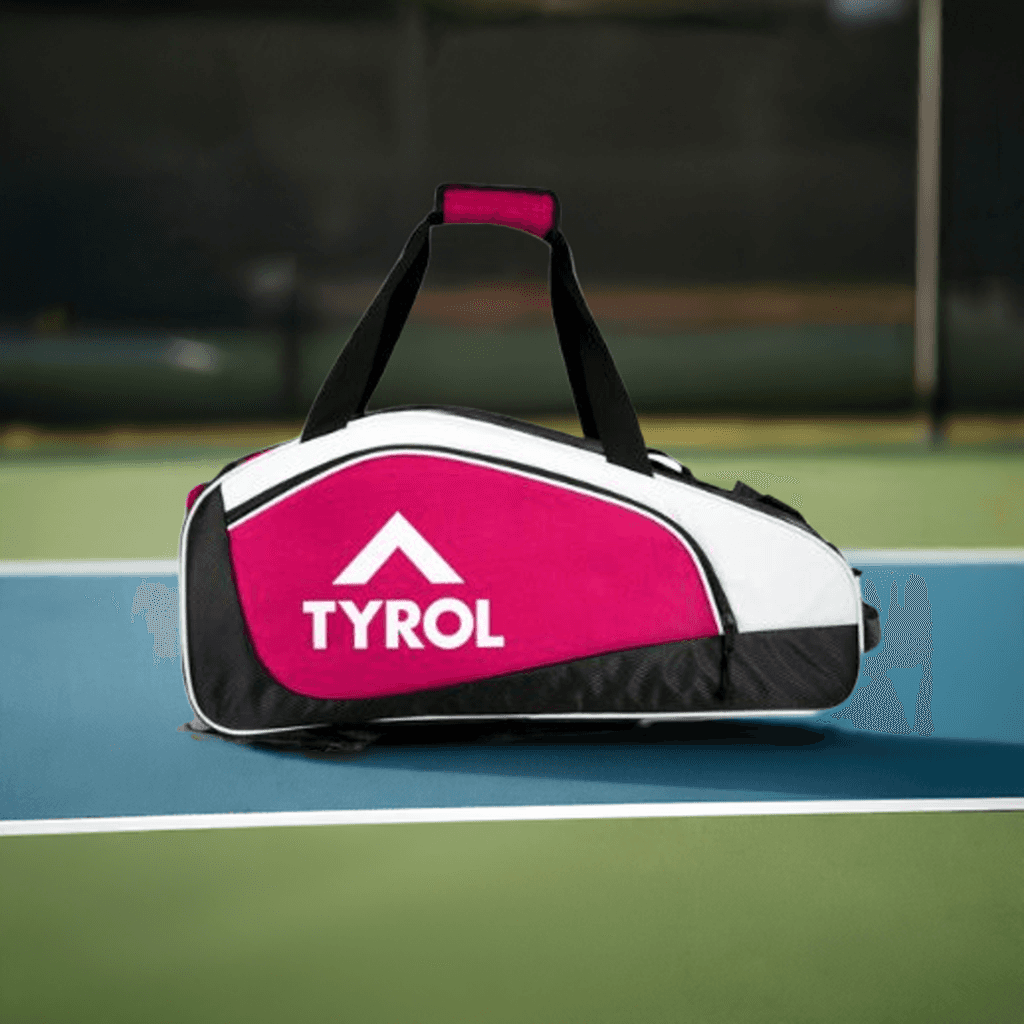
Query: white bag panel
[[775, 574]]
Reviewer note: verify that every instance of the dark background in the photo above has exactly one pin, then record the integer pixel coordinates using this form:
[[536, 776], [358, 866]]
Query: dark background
[[257, 166], [983, 159]]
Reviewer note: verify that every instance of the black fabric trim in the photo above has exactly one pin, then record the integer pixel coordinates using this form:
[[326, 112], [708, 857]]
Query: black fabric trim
[[872, 626], [231, 686], [747, 495], [602, 403], [721, 601], [355, 373], [798, 669]]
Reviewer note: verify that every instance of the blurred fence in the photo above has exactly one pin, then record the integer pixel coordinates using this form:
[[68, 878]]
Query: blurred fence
[[781, 351], [196, 207]]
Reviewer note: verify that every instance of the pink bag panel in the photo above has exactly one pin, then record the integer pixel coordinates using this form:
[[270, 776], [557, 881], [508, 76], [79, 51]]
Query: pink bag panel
[[399, 572]]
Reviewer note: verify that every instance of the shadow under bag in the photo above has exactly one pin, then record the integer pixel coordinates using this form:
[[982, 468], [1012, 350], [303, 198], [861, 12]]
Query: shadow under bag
[[435, 563]]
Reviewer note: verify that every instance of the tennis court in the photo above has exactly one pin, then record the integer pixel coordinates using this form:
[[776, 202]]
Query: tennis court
[[690, 872], [798, 225]]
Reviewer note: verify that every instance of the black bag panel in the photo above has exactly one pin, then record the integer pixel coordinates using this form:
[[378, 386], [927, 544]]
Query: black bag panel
[[784, 670], [872, 626], [797, 669], [229, 685], [793, 669]]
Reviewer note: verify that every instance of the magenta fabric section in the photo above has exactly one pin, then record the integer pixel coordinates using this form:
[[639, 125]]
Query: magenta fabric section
[[193, 496], [528, 211], [556, 574]]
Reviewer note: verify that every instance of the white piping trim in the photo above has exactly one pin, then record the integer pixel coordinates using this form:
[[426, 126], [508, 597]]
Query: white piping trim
[[935, 556], [99, 567], [563, 812], [646, 717]]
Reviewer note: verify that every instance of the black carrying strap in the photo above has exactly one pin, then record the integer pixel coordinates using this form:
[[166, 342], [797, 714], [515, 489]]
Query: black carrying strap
[[605, 411]]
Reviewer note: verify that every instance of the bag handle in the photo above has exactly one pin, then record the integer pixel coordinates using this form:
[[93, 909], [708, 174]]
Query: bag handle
[[605, 411]]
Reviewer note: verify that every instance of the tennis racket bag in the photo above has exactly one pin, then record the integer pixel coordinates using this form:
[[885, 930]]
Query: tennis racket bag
[[438, 563]]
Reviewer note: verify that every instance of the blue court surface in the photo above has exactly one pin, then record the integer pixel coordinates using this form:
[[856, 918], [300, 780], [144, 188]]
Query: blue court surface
[[91, 701]]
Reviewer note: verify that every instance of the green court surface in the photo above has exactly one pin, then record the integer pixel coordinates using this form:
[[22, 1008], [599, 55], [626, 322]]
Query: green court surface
[[916, 917], [838, 918], [104, 506]]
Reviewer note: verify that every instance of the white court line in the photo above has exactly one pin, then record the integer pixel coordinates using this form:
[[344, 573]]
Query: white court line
[[856, 556], [563, 812], [934, 556], [98, 567]]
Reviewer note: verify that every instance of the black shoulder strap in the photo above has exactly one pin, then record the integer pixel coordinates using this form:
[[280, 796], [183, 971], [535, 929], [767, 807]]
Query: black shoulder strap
[[605, 411]]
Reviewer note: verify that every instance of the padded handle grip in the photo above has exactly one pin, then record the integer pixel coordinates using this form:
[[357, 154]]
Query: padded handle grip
[[527, 209]]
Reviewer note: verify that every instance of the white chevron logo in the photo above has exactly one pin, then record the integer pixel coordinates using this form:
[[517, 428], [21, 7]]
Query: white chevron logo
[[398, 534]]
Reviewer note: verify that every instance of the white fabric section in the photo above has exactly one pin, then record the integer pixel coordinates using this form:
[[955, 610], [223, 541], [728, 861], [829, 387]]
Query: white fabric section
[[776, 575], [563, 812]]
